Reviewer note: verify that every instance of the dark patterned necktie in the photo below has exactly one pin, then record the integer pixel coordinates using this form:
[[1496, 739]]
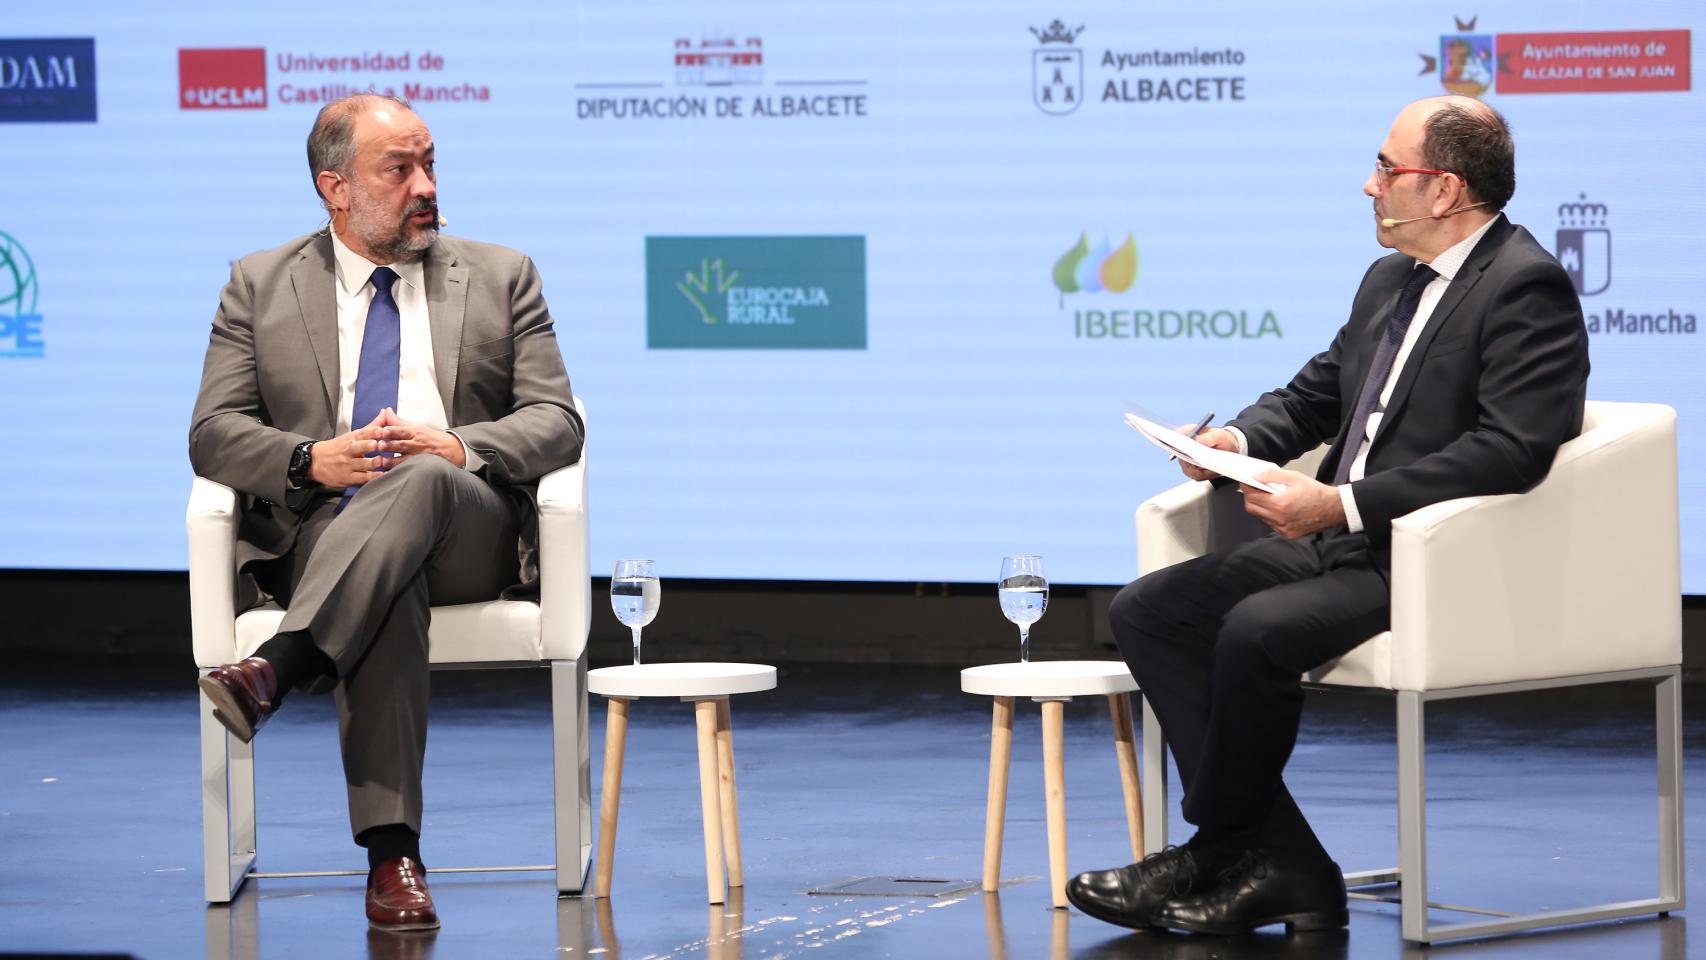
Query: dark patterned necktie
[[1381, 368], [381, 346]]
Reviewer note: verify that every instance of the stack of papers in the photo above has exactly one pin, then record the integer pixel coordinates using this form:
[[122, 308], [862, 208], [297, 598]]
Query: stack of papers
[[1231, 465]]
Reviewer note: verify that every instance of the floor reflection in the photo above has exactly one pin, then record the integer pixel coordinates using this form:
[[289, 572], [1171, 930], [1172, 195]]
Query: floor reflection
[[588, 925], [233, 932]]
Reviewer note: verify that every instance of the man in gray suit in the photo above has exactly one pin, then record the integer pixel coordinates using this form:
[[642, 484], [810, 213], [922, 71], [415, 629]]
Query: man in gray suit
[[386, 399]]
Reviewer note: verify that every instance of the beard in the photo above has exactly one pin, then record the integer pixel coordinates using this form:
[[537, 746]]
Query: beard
[[391, 240]]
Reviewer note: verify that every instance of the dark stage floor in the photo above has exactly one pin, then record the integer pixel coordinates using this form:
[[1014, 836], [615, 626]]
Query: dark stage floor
[[1534, 803]]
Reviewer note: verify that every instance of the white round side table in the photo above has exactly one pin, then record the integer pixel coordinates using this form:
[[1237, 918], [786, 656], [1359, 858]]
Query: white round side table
[[708, 686], [1052, 683]]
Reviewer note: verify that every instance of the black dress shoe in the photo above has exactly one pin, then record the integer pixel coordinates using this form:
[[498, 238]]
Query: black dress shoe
[[1258, 891], [1129, 896]]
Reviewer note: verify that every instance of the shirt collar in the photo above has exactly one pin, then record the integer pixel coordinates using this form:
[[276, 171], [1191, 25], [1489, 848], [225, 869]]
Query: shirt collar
[[354, 270], [1448, 263]]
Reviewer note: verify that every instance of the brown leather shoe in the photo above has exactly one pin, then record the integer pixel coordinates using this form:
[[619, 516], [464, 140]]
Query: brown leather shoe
[[398, 898], [244, 694]]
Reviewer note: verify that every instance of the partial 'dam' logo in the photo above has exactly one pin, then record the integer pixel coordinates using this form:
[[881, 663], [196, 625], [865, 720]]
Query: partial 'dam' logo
[[1095, 269], [47, 80], [231, 78], [1057, 69], [1607, 61], [1584, 245], [20, 324]]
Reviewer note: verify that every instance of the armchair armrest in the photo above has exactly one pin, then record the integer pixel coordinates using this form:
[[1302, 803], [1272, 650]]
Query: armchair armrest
[[1579, 575], [212, 522], [565, 585]]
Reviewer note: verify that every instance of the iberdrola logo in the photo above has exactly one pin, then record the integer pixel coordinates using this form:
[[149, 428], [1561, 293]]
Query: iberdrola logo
[[1087, 269]]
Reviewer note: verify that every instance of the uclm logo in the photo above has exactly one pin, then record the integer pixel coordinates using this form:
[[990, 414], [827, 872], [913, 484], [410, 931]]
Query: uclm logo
[[230, 78]]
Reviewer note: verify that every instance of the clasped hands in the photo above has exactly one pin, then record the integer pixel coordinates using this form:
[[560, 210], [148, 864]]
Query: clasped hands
[[1300, 506], [364, 454]]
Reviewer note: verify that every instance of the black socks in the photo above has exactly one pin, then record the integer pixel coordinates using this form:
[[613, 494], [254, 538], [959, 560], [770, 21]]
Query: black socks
[[294, 659], [388, 842]]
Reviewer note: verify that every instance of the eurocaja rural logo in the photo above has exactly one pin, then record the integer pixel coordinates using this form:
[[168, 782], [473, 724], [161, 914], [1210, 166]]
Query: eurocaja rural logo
[[754, 293]]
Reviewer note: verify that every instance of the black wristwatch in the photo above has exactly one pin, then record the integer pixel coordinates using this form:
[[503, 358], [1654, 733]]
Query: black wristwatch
[[301, 459]]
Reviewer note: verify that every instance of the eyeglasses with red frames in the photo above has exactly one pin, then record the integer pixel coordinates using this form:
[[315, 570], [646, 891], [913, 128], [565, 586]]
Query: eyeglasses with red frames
[[1385, 172]]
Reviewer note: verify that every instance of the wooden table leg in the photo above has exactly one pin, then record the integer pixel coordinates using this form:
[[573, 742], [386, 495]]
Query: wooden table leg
[[1125, 747], [705, 716], [1054, 784], [727, 800], [995, 816], [610, 795]]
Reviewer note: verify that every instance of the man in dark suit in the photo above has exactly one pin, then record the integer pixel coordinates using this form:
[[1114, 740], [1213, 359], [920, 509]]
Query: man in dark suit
[[1461, 370], [386, 399]]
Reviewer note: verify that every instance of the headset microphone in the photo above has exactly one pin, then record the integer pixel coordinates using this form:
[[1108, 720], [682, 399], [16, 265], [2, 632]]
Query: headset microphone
[[443, 222], [1389, 223]]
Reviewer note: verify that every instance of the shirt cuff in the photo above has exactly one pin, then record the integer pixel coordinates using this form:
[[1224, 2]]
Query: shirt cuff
[[1353, 519], [1243, 441], [470, 463]]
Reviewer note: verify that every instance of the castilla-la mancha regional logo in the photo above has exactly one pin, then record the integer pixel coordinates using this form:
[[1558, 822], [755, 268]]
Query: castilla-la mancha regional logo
[[1057, 69], [1584, 245]]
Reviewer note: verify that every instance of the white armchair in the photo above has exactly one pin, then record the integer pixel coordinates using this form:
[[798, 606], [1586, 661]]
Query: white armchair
[[1575, 582], [497, 633]]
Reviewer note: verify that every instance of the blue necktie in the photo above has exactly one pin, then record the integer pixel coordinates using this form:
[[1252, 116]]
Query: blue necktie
[[376, 377], [1381, 367]]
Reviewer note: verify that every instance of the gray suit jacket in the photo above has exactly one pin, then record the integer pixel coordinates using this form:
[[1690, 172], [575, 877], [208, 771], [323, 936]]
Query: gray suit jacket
[[270, 380]]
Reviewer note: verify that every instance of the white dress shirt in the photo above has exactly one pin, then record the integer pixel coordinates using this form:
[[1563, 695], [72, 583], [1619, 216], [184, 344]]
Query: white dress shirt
[[1447, 265], [418, 399]]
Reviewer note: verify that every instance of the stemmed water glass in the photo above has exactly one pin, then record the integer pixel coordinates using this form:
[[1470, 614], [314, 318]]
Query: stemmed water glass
[[1024, 596], [635, 595]]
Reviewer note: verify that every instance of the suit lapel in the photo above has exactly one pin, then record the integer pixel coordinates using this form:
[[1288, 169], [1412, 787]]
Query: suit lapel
[[447, 304], [313, 277], [1465, 281]]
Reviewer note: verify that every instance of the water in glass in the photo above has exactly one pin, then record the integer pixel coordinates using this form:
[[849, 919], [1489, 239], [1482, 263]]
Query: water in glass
[[1024, 596], [635, 596]]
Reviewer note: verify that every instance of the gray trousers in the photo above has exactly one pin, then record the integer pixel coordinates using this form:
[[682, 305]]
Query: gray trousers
[[361, 582]]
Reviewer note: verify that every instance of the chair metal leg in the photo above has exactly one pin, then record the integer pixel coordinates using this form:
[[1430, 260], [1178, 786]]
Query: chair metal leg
[[1412, 818], [227, 808], [571, 763], [1668, 701], [1154, 781]]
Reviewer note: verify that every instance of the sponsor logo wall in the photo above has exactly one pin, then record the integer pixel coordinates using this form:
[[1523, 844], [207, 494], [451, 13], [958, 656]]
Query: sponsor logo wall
[[849, 294]]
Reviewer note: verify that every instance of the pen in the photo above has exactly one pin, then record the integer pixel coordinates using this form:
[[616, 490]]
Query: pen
[[1198, 429]]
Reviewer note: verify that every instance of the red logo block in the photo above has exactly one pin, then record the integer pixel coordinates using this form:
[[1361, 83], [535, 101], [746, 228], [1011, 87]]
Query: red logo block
[[232, 78], [1623, 61]]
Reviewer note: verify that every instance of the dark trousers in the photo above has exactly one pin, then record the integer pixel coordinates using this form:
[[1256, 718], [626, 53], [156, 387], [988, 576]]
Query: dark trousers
[[1218, 644], [362, 582]]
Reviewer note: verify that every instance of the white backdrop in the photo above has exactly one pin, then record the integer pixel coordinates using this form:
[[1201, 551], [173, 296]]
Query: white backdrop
[[981, 416]]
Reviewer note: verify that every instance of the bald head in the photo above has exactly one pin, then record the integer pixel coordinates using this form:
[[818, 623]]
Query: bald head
[[1468, 138], [331, 142]]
